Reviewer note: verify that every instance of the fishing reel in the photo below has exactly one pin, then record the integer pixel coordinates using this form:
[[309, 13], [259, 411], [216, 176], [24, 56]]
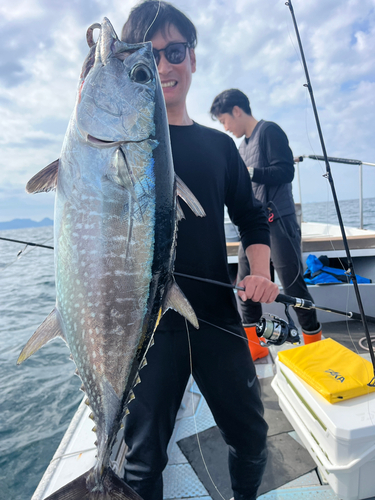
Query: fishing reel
[[276, 330]]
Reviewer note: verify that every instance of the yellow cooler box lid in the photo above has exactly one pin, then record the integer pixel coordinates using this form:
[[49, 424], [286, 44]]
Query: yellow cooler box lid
[[334, 371]]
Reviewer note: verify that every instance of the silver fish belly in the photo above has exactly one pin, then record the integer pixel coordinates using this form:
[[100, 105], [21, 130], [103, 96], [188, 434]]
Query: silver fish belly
[[116, 214]]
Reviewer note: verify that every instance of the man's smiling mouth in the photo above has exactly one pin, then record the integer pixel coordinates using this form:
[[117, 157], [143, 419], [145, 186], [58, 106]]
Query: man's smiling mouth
[[169, 84]]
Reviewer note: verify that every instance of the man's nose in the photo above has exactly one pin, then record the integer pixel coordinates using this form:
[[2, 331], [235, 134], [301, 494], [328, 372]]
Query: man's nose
[[163, 65]]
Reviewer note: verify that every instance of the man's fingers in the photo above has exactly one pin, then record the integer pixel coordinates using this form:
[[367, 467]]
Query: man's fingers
[[258, 289]]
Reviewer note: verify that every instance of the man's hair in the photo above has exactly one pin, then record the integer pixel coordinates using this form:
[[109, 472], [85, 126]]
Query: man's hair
[[152, 16], [225, 102]]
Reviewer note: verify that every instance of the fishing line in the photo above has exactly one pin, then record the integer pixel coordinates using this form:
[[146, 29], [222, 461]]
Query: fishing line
[[72, 454], [148, 29], [288, 22], [290, 241], [369, 413], [363, 339], [306, 96], [194, 417], [225, 330]]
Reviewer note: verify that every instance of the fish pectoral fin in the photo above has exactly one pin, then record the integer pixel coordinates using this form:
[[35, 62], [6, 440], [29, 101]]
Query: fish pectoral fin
[[176, 300], [180, 213], [45, 180], [184, 192], [48, 330], [121, 175]]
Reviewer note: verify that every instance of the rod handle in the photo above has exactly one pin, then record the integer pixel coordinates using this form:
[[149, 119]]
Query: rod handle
[[294, 301]]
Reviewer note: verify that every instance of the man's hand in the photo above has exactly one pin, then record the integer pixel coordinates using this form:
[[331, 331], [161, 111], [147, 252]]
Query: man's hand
[[258, 289]]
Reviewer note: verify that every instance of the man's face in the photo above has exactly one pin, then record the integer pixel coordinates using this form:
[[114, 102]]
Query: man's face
[[175, 78], [232, 123]]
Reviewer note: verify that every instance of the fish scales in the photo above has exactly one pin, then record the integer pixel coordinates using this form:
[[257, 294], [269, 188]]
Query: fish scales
[[115, 235]]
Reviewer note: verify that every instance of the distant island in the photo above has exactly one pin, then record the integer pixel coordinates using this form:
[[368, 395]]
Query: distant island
[[23, 223]]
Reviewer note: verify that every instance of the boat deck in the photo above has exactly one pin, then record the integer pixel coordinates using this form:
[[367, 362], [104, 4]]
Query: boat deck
[[183, 479], [180, 480], [182, 483]]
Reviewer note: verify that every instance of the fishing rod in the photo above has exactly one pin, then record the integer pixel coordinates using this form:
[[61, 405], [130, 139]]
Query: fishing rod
[[328, 175], [284, 299], [29, 243], [308, 304], [286, 332]]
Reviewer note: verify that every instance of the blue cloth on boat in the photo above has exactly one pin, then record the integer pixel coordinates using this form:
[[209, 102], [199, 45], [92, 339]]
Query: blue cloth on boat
[[317, 273]]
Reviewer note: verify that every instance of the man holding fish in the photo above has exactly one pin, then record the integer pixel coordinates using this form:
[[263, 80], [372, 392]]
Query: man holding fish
[[208, 162]]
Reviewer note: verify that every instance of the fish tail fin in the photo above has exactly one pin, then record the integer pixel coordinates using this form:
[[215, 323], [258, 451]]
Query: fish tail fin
[[116, 488], [111, 488], [76, 489]]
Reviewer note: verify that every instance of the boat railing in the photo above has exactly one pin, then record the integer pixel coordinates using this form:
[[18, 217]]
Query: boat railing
[[347, 161]]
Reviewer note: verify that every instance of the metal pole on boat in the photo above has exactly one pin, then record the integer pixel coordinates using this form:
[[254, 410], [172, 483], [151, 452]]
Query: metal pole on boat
[[328, 175], [350, 162], [361, 188], [297, 161], [360, 197]]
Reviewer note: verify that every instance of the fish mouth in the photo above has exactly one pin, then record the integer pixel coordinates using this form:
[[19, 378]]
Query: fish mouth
[[102, 142]]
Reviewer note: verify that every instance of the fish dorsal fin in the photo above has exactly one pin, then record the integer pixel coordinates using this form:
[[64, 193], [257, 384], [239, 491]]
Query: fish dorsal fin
[[184, 192], [48, 330], [45, 180], [176, 300], [107, 38]]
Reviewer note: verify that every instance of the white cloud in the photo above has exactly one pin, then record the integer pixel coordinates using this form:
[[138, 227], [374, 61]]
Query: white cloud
[[11, 11], [246, 44]]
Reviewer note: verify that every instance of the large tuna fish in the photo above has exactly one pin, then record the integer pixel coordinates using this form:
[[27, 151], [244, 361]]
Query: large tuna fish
[[116, 214]]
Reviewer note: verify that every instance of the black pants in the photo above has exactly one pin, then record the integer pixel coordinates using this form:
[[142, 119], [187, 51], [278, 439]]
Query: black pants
[[225, 374], [287, 261]]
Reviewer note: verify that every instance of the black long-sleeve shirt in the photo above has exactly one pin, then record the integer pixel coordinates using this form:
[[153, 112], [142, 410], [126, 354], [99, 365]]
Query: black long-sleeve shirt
[[209, 163]]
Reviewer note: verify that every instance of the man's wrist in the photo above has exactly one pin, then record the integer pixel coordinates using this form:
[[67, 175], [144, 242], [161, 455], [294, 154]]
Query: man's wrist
[[251, 171]]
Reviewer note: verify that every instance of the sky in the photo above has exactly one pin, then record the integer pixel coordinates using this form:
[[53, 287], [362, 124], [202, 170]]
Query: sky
[[245, 44]]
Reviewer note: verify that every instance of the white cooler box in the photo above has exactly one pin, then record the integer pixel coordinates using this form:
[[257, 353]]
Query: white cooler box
[[340, 437]]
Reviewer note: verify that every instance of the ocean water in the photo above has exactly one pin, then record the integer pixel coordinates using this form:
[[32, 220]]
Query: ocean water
[[325, 212], [39, 398]]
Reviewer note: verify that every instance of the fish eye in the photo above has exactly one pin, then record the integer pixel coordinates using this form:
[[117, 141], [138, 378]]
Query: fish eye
[[141, 74]]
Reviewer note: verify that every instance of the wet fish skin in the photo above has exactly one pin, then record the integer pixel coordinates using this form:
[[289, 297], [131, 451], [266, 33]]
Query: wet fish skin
[[116, 215]]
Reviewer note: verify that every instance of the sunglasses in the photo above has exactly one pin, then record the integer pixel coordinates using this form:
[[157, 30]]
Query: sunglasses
[[175, 53]]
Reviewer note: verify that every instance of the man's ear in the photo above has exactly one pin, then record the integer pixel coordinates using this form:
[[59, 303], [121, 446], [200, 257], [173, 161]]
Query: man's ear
[[193, 61], [236, 111]]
